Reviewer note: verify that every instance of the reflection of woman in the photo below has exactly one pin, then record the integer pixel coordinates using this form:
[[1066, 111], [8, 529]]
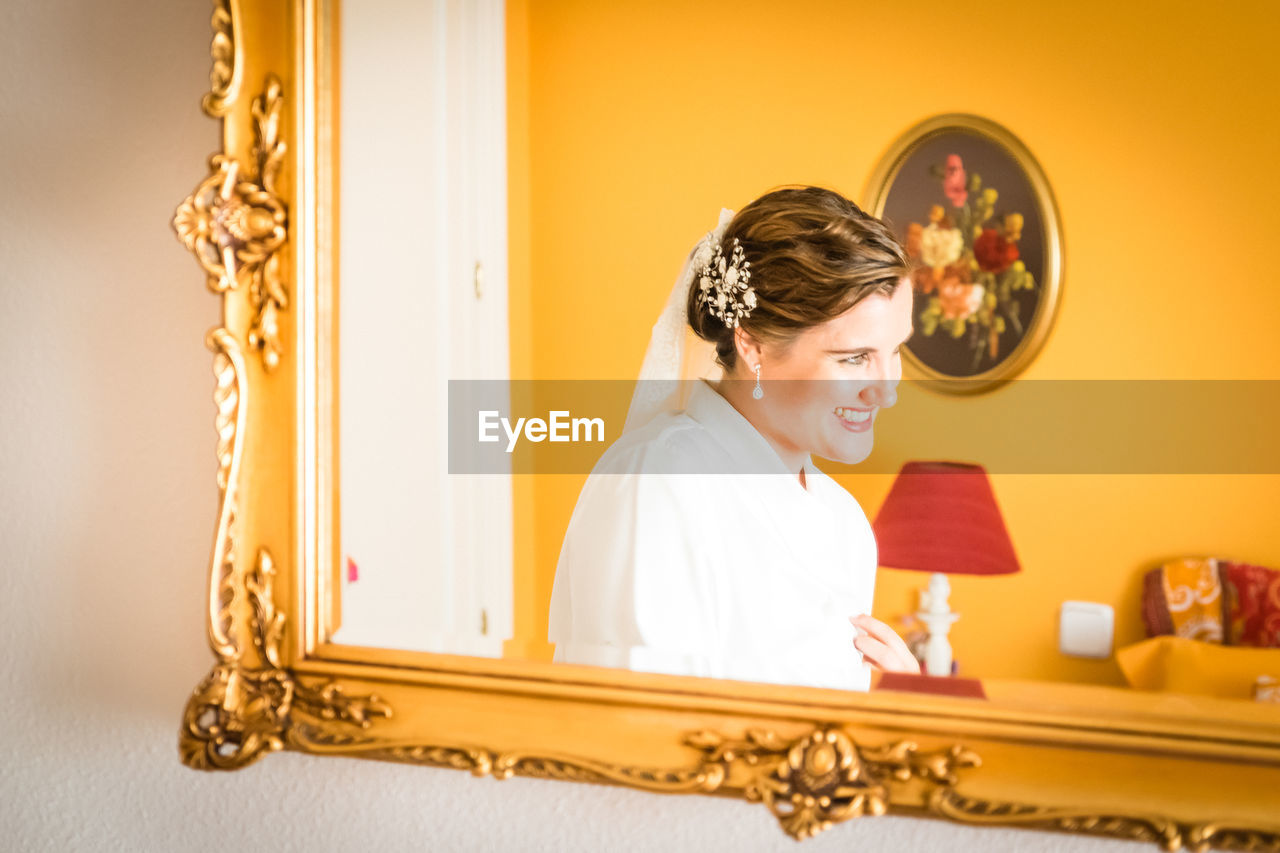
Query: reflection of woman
[[705, 542]]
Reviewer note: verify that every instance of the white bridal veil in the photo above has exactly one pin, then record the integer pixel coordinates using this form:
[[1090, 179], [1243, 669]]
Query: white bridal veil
[[676, 354]]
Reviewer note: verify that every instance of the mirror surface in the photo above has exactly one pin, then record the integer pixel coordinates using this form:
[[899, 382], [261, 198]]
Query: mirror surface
[[519, 186]]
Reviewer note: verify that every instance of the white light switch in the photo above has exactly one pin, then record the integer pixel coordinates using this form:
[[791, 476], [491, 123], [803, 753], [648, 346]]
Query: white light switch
[[1086, 629]]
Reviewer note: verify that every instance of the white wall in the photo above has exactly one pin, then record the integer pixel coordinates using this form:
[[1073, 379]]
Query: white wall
[[107, 503]]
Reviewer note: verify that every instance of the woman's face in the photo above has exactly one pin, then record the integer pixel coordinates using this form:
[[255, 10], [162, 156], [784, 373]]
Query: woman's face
[[824, 390]]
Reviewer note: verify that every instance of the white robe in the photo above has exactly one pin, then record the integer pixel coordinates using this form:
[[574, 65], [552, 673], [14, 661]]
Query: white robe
[[748, 576]]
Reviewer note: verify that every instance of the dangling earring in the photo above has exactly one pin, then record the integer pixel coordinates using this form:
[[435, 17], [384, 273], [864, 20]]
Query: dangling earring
[[758, 392]]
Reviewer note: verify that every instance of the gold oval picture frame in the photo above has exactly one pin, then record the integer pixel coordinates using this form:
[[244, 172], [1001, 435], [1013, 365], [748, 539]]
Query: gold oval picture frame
[[979, 219]]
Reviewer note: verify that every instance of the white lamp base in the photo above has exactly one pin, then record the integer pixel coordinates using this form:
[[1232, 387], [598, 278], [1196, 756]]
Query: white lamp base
[[935, 613]]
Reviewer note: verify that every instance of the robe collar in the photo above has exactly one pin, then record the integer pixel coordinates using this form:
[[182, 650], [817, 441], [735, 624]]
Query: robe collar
[[751, 452]]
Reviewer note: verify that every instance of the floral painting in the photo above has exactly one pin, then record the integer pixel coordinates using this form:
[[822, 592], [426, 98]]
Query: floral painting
[[973, 220]]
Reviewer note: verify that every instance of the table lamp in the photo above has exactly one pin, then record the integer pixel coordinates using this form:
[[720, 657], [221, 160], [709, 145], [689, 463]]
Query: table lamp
[[942, 517]]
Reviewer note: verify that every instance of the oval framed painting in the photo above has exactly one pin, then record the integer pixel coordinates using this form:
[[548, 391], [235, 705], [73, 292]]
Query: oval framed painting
[[977, 215]]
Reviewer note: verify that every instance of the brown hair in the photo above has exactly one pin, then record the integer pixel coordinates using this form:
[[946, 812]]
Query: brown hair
[[814, 254]]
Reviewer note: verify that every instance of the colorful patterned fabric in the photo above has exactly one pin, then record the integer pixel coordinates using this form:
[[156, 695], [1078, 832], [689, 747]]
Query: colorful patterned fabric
[[1184, 598], [1213, 600], [1252, 604]]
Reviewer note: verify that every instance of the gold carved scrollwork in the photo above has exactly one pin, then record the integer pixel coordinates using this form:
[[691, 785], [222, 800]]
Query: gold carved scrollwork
[[1169, 834], [235, 223], [809, 784], [825, 777], [504, 765], [248, 705], [224, 76], [228, 396]]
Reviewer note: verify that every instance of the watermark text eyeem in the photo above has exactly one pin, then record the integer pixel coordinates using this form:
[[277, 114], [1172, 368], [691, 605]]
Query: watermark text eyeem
[[560, 426]]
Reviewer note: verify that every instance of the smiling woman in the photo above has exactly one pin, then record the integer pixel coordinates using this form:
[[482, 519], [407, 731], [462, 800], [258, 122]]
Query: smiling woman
[[758, 570]]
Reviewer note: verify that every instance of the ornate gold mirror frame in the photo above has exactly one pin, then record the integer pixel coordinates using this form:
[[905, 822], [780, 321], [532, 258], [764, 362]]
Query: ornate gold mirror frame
[[1169, 769]]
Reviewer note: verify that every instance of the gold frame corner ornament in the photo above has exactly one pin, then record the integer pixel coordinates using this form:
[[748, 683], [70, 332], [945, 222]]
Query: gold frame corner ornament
[[235, 222], [814, 759], [250, 704]]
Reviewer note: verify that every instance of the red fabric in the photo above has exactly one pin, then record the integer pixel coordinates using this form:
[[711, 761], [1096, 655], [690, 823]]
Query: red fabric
[[943, 517], [1253, 604], [1155, 610]]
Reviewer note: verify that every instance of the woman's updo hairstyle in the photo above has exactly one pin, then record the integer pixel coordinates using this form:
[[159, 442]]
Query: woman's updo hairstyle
[[814, 254]]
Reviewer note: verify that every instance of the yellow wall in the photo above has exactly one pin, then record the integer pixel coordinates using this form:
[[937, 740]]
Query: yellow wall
[[633, 123]]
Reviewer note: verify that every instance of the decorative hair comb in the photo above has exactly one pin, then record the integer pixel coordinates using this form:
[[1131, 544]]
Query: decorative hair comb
[[724, 285]]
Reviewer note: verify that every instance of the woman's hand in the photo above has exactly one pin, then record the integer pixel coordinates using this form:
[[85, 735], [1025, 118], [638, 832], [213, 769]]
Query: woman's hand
[[882, 647]]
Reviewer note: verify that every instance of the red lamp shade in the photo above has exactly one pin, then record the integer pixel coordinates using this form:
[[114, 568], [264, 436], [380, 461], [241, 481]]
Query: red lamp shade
[[943, 517]]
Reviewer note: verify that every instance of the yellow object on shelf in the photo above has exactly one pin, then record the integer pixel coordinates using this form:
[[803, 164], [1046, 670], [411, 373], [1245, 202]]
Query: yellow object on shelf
[[1182, 665]]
